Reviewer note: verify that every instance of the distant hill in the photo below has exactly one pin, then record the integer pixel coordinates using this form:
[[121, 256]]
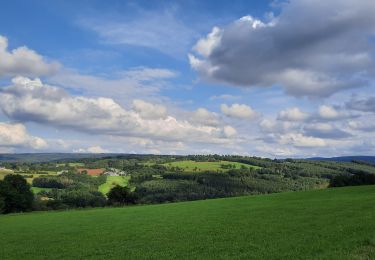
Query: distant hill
[[368, 159]]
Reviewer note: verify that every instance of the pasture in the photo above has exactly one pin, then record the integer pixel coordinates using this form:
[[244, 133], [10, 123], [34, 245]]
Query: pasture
[[36, 190], [3, 173], [113, 181], [217, 166], [29, 176], [322, 224]]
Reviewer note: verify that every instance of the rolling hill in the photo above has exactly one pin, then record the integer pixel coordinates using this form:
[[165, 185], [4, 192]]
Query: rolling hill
[[368, 159], [325, 224]]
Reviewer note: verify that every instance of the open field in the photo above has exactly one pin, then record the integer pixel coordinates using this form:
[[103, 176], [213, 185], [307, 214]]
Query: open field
[[324, 224], [3, 173], [28, 176], [113, 181], [36, 190], [190, 166]]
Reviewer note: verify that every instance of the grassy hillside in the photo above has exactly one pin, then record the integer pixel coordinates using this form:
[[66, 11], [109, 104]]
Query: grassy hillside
[[190, 166], [113, 181], [325, 224]]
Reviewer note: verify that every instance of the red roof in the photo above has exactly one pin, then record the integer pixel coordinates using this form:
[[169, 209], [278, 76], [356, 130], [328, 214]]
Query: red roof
[[92, 172]]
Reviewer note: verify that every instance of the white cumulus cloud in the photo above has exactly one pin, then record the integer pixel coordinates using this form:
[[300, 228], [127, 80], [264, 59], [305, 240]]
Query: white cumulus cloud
[[31, 100], [23, 61], [238, 111], [293, 114], [16, 135]]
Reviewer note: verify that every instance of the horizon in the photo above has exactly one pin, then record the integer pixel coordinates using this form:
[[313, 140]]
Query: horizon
[[272, 79], [185, 155]]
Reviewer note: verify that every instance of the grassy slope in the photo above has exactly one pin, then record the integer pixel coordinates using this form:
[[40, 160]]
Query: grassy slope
[[324, 224], [113, 181], [206, 166]]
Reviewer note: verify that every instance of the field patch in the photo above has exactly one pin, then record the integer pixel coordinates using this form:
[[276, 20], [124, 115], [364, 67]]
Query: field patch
[[91, 172], [3, 173], [112, 181], [36, 190], [217, 166]]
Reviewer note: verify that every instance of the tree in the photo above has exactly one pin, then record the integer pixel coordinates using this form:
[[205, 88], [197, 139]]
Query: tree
[[119, 195], [16, 194], [2, 205]]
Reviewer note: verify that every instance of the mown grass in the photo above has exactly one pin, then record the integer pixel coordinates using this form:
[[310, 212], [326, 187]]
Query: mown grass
[[322, 224], [113, 181], [191, 166]]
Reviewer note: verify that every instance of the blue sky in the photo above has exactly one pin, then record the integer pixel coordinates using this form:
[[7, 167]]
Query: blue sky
[[267, 78]]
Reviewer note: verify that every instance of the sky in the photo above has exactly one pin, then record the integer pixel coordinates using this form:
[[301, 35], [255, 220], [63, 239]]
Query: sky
[[263, 78]]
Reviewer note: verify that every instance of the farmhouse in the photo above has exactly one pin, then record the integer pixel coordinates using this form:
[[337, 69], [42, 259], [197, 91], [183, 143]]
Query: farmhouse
[[92, 172], [115, 172]]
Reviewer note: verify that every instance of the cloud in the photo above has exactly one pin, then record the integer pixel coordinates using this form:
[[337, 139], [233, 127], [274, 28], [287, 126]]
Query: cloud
[[300, 140], [229, 131], [202, 116], [238, 111], [363, 125], [365, 104], [224, 97], [31, 100], [272, 126], [161, 31], [205, 46], [146, 74], [327, 112], [325, 130], [15, 135], [23, 61], [92, 149], [308, 48], [292, 114], [276, 151], [148, 110], [126, 85]]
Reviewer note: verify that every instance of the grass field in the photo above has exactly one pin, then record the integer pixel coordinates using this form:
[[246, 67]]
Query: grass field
[[113, 181], [36, 190], [3, 173], [190, 166], [30, 179], [322, 224]]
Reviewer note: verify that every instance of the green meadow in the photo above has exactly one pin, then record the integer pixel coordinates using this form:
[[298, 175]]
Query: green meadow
[[36, 190], [112, 181], [335, 223], [190, 166]]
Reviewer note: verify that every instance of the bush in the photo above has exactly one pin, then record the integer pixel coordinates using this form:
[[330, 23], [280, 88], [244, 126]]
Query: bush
[[352, 180], [16, 194], [2, 205], [121, 196], [49, 182]]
